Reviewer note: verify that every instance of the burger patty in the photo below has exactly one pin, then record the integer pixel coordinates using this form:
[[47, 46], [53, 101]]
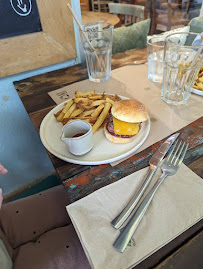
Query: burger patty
[[110, 128]]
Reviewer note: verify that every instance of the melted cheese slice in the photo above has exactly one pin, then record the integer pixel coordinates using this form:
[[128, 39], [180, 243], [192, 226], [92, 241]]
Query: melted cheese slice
[[125, 128]]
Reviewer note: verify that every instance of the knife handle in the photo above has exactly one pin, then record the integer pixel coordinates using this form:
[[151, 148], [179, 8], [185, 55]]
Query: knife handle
[[123, 215], [123, 239]]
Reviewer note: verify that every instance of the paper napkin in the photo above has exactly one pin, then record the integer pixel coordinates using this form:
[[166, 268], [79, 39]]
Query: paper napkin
[[177, 205]]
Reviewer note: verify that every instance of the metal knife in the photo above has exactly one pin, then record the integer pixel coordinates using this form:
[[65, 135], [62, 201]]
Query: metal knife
[[154, 162]]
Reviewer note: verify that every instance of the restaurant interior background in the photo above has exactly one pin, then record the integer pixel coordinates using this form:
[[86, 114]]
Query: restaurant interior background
[[164, 14], [21, 150]]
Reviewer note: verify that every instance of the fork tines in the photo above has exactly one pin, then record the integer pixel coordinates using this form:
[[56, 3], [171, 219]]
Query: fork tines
[[177, 152]]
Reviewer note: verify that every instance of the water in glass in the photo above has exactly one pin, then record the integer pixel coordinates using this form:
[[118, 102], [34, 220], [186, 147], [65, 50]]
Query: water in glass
[[98, 70], [155, 66]]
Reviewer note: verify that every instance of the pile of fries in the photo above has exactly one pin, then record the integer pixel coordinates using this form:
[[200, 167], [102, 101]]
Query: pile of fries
[[199, 81], [91, 107], [198, 84]]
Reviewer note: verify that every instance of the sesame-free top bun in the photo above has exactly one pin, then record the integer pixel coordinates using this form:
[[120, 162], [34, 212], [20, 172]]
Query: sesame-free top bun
[[129, 111]]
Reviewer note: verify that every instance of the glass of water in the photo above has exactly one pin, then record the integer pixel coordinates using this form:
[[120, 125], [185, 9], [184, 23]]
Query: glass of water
[[155, 56], [97, 39], [183, 58]]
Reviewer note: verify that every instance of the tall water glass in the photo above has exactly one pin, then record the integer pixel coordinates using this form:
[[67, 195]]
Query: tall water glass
[[155, 55], [183, 57], [98, 51]]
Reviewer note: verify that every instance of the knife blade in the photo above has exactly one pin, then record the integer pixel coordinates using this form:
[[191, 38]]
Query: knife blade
[[153, 165]]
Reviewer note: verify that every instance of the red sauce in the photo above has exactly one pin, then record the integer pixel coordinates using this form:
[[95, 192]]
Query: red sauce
[[77, 135]]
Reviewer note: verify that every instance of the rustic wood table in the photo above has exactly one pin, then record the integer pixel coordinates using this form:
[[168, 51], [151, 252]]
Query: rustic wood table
[[34, 95], [91, 16]]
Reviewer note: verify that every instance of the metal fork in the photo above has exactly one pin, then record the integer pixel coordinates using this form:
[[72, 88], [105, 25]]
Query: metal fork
[[169, 168]]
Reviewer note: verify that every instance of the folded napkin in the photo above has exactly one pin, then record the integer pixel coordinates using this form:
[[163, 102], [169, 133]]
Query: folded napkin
[[177, 205]]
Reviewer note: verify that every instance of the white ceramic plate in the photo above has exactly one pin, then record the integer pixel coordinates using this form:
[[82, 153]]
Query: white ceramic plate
[[197, 91], [103, 151]]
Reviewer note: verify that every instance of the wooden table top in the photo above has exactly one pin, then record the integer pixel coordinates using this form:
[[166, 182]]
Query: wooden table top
[[36, 88], [92, 16]]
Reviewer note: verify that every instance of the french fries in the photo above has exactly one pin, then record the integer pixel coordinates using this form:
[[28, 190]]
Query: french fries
[[70, 110], [101, 117], [82, 94], [97, 111], [68, 105], [89, 106], [198, 84]]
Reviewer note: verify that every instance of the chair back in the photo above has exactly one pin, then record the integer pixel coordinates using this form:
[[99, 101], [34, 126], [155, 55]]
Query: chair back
[[101, 6], [131, 13]]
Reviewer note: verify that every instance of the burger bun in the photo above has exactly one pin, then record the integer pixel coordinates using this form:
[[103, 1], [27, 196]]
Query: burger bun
[[129, 111]]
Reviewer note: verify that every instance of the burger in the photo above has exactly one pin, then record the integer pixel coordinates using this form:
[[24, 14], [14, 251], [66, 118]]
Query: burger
[[124, 121]]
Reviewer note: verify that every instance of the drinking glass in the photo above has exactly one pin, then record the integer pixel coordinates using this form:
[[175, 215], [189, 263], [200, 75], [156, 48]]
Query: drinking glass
[[155, 55], [183, 58], [98, 49]]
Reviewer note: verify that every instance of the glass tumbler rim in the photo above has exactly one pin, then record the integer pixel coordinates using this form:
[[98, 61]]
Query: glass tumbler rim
[[159, 39], [110, 26], [188, 33]]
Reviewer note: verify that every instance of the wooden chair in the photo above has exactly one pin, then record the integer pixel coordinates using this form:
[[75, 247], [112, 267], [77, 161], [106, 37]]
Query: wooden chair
[[131, 13], [84, 5], [142, 3], [101, 6], [165, 16]]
